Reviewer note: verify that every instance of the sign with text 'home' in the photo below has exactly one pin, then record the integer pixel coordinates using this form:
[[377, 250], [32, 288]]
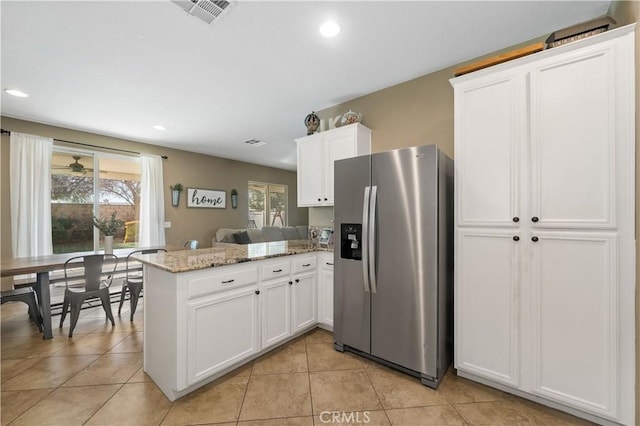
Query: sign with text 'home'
[[208, 198]]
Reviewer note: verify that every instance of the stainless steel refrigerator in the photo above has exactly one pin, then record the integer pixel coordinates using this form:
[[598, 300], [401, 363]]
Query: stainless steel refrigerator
[[393, 273]]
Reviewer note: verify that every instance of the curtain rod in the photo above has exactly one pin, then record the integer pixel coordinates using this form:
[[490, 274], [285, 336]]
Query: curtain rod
[[164, 157]]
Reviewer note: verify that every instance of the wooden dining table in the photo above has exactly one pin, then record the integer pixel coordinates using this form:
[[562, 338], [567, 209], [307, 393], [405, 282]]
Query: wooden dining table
[[41, 266]]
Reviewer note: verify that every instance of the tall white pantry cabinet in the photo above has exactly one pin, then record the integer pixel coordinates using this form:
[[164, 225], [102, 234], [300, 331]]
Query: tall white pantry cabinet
[[544, 214]]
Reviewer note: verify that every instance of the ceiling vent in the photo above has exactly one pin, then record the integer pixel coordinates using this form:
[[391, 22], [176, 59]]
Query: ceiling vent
[[207, 10], [255, 142]]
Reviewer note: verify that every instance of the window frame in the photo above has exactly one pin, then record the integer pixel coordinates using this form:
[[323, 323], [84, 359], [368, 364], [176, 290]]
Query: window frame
[[96, 156]]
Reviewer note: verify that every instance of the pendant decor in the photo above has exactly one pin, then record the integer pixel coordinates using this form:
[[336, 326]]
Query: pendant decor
[[312, 121]]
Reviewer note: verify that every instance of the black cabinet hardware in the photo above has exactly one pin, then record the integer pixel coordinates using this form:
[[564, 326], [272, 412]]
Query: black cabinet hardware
[[278, 270], [290, 282], [257, 291], [306, 264], [227, 282], [535, 219], [534, 239], [516, 238], [329, 263], [516, 219], [297, 280]]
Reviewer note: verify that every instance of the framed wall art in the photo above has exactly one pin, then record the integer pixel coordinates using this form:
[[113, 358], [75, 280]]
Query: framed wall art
[[206, 198]]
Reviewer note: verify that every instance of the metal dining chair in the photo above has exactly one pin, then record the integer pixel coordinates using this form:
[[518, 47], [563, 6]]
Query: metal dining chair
[[25, 295], [84, 280], [134, 281]]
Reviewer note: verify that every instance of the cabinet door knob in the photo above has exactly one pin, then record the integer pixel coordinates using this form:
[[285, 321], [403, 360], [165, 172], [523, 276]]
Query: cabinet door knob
[[535, 219], [516, 238], [290, 282], [325, 199], [319, 199], [516, 219], [297, 280], [257, 291], [534, 239]]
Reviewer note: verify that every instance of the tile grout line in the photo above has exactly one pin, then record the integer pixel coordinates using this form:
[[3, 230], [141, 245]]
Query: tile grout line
[[104, 403], [306, 356], [366, 372], [246, 389]]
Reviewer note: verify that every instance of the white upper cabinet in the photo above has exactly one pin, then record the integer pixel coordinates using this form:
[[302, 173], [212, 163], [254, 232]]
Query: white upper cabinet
[[573, 180], [544, 224], [489, 118], [316, 155]]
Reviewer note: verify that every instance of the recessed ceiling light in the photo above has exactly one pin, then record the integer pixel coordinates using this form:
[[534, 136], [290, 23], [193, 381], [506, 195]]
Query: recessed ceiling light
[[329, 29], [17, 93], [160, 127]]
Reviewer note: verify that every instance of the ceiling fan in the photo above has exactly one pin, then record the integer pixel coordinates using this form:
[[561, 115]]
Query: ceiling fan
[[75, 167]]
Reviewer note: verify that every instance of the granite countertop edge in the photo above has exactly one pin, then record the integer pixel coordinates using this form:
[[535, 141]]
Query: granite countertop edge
[[226, 254]]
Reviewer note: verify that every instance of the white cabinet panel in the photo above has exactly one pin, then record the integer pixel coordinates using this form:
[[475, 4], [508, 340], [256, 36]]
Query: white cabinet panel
[[221, 330], [310, 172], [338, 146], [574, 321], [486, 315], [303, 301], [488, 121], [325, 289], [275, 308], [573, 140]]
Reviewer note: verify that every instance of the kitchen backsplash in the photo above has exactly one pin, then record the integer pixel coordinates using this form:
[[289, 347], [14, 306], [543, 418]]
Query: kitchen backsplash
[[319, 216]]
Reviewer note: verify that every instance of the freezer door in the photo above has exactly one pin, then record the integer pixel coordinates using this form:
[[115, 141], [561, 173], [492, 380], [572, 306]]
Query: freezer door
[[404, 310], [351, 304]]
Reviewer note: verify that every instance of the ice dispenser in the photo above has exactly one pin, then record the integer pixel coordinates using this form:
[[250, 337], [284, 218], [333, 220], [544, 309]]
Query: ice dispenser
[[351, 241]]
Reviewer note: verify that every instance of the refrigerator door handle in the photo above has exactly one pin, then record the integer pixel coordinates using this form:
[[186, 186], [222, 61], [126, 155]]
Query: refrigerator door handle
[[365, 247], [372, 239]]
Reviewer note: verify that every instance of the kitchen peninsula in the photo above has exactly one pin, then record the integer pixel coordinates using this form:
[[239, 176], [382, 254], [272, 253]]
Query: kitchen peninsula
[[209, 311]]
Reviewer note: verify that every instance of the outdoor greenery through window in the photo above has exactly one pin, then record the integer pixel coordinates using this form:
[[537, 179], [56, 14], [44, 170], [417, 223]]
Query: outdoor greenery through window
[[76, 178], [267, 205]]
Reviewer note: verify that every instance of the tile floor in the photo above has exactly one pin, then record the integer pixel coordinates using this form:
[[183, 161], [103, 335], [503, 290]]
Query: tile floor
[[96, 378]]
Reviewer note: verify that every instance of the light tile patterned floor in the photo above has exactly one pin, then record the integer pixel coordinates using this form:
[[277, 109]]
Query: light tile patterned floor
[[96, 378]]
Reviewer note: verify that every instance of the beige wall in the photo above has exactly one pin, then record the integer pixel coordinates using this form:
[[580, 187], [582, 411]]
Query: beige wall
[[192, 170], [420, 111]]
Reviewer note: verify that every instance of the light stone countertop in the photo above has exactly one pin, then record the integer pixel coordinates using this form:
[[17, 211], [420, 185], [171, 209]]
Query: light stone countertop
[[223, 254]]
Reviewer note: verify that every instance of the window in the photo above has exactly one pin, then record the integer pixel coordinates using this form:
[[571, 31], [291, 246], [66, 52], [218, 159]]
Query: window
[[74, 185], [267, 205]]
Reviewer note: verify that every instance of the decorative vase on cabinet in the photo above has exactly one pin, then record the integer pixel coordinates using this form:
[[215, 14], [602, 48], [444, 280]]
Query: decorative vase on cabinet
[[544, 282]]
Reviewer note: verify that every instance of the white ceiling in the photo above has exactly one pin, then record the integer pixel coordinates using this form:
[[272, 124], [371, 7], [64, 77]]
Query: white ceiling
[[118, 68]]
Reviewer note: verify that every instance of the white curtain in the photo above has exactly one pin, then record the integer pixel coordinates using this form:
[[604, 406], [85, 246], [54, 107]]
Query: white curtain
[[151, 201], [30, 189]]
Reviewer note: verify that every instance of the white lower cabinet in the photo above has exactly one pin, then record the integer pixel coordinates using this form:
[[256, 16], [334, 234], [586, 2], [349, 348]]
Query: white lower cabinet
[[487, 337], [201, 324], [287, 304], [221, 330], [303, 301], [275, 311], [325, 289]]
